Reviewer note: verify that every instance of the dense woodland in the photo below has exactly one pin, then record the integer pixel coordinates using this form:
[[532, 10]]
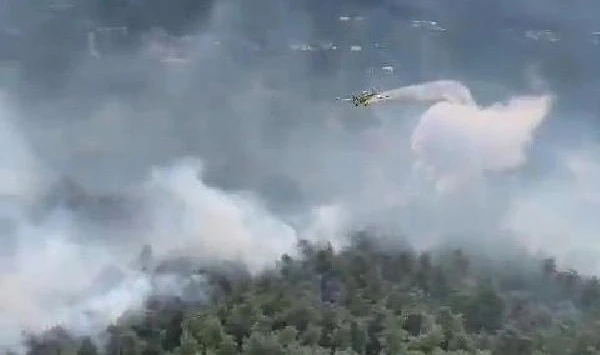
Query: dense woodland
[[368, 298]]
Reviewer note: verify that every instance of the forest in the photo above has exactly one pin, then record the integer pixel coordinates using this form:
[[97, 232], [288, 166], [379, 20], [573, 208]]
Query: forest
[[373, 296]]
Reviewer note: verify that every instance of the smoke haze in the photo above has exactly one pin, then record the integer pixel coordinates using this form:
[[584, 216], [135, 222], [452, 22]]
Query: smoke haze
[[228, 144]]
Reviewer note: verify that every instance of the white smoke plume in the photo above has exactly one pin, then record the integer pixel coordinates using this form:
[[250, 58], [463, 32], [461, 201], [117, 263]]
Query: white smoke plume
[[45, 281], [457, 140], [431, 92], [51, 274], [192, 219], [425, 172], [51, 277]]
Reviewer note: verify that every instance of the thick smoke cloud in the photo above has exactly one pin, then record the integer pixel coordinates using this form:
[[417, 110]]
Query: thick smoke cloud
[[50, 278], [456, 140], [191, 219], [427, 176], [228, 145]]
